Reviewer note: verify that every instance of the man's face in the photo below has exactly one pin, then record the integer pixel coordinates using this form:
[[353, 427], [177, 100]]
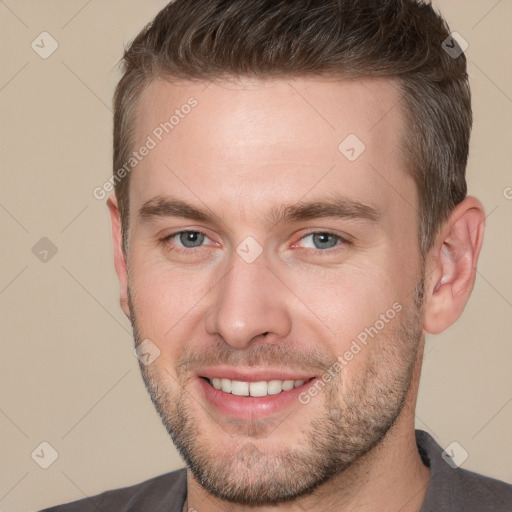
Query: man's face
[[303, 264]]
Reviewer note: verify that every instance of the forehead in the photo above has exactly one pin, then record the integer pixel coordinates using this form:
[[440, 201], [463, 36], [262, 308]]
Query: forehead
[[270, 139], [327, 108]]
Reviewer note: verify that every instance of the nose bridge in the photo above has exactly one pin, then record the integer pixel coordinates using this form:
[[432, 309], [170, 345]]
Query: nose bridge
[[248, 302]]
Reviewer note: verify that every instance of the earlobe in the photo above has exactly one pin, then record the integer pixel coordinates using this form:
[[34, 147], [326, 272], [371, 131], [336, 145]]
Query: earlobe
[[119, 254], [453, 265]]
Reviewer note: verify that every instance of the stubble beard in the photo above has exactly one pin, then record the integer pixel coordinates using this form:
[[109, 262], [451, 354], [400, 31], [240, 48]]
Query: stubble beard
[[335, 438]]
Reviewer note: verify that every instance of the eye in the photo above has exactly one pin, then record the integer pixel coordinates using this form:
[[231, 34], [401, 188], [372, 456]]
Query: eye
[[322, 240], [187, 239]]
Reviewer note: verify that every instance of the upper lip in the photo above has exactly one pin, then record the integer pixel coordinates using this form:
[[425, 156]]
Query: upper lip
[[251, 375]]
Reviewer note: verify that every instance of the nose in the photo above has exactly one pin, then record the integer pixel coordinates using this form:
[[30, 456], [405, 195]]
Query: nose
[[247, 303]]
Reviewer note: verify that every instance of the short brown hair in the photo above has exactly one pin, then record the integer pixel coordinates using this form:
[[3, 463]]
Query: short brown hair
[[396, 39]]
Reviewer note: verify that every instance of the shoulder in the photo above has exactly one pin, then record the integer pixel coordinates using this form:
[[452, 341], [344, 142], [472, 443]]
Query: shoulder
[[168, 490], [488, 493], [454, 489]]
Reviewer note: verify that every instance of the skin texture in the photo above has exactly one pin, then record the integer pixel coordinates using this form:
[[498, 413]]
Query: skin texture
[[248, 149]]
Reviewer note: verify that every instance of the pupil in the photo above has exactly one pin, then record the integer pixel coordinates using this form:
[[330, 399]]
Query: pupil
[[324, 239], [190, 238]]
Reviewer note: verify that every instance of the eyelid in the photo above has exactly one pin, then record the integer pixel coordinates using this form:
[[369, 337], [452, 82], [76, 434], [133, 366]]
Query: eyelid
[[167, 238], [343, 239]]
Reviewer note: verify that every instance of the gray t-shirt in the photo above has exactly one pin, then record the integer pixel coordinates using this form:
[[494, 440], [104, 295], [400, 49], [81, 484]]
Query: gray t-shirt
[[450, 490]]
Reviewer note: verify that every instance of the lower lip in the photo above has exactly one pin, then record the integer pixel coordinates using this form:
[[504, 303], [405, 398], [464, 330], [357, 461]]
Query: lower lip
[[248, 407]]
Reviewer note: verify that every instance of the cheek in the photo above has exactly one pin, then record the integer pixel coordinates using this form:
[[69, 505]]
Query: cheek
[[347, 300], [167, 301], [362, 310]]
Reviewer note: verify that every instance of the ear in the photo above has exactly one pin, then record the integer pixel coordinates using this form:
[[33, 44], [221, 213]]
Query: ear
[[452, 265], [119, 255]]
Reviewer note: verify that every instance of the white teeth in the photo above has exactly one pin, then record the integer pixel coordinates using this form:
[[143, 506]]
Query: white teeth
[[287, 385], [274, 387], [239, 388], [255, 389], [258, 388], [225, 385]]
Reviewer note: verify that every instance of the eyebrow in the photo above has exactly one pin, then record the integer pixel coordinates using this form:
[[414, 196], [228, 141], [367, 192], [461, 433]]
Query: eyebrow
[[331, 206]]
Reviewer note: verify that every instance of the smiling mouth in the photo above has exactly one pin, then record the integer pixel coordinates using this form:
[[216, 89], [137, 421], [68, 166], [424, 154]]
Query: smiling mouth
[[254, 389]]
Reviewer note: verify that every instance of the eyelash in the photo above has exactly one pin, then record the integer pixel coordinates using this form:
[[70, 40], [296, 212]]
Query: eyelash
[[166, 240], [341, 241]]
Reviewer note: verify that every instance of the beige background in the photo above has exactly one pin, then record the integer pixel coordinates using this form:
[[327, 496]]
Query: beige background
[[68, 375]]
